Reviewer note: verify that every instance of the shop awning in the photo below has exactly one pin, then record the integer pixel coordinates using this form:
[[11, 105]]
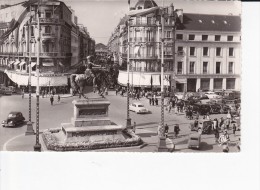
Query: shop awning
[[48, 64], [11, 62], [61, 64], [33, 64], [22, 63], [16, 63]]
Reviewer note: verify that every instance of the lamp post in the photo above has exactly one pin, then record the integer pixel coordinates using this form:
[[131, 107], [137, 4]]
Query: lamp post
[[30, 130], [128, 119], [37, 146]]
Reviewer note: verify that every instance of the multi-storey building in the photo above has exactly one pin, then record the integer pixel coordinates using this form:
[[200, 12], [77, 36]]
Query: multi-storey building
[[59, 42], [200, 51]]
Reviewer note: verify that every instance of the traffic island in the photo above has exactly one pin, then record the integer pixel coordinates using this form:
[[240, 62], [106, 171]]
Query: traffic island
[[90, 128]]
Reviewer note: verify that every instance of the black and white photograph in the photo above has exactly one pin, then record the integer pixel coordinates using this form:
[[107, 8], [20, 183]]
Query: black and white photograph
[[127, 78]]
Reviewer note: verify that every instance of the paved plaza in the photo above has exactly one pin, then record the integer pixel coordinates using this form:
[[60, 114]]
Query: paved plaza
[[14, 139]]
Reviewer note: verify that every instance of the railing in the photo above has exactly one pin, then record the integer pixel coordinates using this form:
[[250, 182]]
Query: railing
[[48, 34], [143, 56], [49, 20], [143, 23]]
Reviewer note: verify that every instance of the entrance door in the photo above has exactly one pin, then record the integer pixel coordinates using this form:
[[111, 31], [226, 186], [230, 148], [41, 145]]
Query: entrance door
[[179, 87], [204, 84], [191, 85]]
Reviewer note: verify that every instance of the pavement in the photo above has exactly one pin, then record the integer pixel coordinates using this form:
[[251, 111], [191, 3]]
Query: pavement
[[173, 144], [146, 126]]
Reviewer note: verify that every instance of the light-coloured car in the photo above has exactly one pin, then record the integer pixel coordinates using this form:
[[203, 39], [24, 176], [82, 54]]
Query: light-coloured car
[[212, 95], [138, 108]]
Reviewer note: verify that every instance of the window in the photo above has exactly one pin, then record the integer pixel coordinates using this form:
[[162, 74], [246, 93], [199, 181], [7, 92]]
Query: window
[[48, 14], [168, 34], [231, 51], [218, 51], [191, 37], [179, 68], [192, 67], [192, 51], [47, 29], [205, 51], [231, 83], [218, 67], [138, 20], [204, 37], [230, 67], [205, 67], [32, 31], [229, 38], [149, 20], [179, 36], [217, 37]]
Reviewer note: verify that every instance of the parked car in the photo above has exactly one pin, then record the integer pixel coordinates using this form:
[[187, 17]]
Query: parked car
[[194, 140], [212, 95], [202, 109], [13, 119], [204, 125], [5, 90], [138, 108], [232, 94], [218, 108]]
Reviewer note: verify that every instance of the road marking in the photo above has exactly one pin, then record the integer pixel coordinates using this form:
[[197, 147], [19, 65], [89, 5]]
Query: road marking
[[5, 144]]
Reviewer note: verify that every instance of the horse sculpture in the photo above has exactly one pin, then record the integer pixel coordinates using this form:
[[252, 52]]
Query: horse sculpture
[[95, 76]]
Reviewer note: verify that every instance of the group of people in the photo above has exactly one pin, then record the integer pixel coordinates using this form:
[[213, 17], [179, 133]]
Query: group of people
[[164, 131]]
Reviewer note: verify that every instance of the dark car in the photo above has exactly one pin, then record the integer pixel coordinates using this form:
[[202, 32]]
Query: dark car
[[218, 108], [202, 109], [14, 119]]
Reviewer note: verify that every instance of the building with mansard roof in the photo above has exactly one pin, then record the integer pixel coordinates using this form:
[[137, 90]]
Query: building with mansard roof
[[59, 42], [201, 51]]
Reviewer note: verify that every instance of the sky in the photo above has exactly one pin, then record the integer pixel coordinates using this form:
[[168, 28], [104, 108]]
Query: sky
[[102, 16]]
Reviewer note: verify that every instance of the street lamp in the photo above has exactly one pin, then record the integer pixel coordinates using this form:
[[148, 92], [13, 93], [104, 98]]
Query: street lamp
[[37, 146], [128, 119], [30, 130]]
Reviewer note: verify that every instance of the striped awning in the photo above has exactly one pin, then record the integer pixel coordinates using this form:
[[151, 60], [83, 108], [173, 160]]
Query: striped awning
[[22, 63], [33, 64], [48, 64]]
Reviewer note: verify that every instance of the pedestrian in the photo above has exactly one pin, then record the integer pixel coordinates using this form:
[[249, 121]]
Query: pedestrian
[[58, 98], [152, 101], [176, 130], [224, 141], [221, 123], [234, 127], [166, 130], [156, 101], [216, 135], [207, 116], [215, 123], [22, 93], [134, 127], [51, 99]]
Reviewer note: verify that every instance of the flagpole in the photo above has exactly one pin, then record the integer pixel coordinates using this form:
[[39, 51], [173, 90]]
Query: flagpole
[[128, 119], [30, 130]]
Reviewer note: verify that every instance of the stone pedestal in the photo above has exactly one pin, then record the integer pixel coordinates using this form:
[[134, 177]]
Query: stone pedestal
[[91, 122]]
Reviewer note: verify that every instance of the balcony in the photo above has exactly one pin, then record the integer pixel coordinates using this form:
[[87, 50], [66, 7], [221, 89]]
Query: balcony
[[49, 54], [135, 56], [142, 23], [49, 20], [48, 35]]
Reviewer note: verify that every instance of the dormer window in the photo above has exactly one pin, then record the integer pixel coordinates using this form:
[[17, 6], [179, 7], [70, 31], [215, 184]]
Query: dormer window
[[139, 8]]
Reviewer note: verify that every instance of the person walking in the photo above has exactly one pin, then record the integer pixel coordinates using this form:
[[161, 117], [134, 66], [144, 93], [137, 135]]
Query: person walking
[[22, 93], [224, 141], [156, 101], [216, 134], [51, 99], [234, 127], [134, 127], [176, 130], [166, 130], [58, 98]]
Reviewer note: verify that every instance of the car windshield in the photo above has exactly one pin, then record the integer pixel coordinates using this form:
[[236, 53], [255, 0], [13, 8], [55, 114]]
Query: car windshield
[[140, 106], [11, 115]]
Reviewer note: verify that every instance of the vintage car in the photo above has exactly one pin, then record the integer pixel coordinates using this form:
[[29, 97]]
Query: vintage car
[[138, 108], [203, 126], [13, 119], [202, 109], [194, 140]]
